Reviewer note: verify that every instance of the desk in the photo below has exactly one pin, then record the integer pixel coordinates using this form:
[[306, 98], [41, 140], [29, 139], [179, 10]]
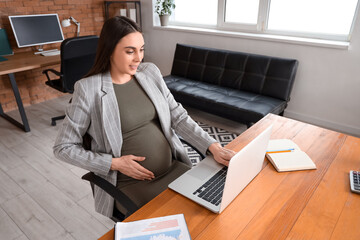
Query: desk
[[313, 204], [17, 63]]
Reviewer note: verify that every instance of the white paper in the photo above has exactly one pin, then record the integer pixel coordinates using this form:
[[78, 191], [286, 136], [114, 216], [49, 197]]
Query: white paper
[[123, 12], [162, 228], [133, 14]]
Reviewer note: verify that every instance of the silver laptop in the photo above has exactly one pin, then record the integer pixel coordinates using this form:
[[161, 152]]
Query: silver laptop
[[214, 186]]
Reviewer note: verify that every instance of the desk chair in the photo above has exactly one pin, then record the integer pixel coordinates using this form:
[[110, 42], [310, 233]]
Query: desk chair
[[77, 57], [118, 195]]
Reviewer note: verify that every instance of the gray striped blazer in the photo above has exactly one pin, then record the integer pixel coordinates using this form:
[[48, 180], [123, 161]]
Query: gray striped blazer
[[94, 110]]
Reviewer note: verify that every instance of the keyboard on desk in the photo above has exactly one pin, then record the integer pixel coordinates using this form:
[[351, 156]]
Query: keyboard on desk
[[355, 181], [212, 190], [52, 53]]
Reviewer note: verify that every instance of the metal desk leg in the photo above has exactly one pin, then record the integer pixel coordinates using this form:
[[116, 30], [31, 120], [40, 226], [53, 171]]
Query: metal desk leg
[[25, 125]]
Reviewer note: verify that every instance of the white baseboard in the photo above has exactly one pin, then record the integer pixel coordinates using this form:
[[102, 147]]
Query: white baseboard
[[347, 129]]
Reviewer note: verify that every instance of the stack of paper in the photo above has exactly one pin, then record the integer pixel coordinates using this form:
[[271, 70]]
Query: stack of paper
[[285, 155], [168, 227]]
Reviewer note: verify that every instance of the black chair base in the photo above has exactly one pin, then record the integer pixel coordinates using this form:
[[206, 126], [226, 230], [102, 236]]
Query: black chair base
[[54, 119]]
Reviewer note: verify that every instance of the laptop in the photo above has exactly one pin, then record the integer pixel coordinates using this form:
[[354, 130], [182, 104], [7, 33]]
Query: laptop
[[213, 185]]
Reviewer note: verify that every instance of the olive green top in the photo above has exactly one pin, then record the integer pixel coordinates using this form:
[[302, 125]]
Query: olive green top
[[143, 136], [142, 133]]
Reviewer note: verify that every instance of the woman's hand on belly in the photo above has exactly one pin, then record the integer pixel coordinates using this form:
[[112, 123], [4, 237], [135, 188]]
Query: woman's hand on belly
[[129, 166]]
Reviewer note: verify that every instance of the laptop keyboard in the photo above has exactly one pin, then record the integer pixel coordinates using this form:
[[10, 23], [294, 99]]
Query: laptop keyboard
[[212, 190]]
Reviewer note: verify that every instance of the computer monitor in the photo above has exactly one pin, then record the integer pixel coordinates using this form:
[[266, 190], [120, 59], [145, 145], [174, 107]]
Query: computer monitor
[[36, 30]]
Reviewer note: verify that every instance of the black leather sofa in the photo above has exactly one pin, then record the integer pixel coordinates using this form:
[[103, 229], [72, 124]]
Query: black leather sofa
[[239, 86]]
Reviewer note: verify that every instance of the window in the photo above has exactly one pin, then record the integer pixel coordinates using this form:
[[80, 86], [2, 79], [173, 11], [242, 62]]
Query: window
[[323, 19], [326, 17], [242, 11], [196, 12]]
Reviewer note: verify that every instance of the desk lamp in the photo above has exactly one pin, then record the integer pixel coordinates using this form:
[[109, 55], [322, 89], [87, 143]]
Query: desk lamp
[[67, 23]]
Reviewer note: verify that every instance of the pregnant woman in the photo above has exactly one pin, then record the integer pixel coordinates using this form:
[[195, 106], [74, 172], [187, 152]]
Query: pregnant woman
[[133, 121]]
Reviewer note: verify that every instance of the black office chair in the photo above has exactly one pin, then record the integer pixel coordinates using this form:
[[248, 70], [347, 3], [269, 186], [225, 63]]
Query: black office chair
[[77, 57], [118, 195]]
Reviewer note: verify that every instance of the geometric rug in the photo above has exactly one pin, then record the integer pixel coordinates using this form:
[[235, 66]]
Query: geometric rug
[[222, 136]]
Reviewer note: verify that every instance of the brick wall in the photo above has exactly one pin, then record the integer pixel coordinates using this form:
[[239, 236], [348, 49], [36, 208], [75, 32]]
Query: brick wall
[[90, 14]]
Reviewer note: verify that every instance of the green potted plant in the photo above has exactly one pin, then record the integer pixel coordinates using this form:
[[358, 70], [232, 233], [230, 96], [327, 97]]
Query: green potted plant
[[164, 9]]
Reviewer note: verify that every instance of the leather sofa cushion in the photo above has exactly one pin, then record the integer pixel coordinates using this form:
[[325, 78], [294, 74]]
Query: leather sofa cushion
[[241, 106], [258, 74]]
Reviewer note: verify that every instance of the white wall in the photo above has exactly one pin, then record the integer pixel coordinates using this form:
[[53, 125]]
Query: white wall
[[326, 91]]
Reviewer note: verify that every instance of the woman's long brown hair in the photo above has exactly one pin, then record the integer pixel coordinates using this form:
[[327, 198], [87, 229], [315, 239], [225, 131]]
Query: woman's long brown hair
[[114, 29]]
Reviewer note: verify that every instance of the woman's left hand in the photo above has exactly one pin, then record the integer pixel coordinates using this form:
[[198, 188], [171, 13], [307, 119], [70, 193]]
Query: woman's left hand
[[221, 155]]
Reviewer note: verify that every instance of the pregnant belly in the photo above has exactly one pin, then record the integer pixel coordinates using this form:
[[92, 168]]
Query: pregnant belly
[[148, 141]]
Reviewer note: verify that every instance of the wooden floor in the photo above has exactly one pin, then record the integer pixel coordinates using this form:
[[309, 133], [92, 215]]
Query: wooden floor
[[43, 198]]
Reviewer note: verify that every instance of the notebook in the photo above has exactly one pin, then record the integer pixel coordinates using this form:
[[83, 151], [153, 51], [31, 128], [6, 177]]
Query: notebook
[[285, 155], [227, 182]]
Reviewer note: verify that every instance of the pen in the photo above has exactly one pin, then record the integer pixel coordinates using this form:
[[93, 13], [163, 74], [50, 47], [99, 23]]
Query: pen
[[281, 151]]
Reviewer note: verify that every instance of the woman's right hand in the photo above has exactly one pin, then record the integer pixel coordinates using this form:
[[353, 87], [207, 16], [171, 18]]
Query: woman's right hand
[[129, 166]]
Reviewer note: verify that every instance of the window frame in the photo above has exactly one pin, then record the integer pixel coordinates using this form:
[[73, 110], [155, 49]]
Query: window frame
[[261, 27]]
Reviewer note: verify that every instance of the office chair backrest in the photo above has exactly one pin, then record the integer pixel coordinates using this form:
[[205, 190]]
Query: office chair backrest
[[77, 58]]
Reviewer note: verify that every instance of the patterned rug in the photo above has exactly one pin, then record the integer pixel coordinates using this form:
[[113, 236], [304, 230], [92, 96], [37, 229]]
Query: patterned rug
[[221, 135]]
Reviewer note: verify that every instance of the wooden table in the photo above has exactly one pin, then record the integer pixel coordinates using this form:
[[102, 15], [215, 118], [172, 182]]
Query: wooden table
[[17, 63], [312, 204]]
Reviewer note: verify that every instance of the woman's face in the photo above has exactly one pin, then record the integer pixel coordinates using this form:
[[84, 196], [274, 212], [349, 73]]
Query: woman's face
[[127, 55]]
